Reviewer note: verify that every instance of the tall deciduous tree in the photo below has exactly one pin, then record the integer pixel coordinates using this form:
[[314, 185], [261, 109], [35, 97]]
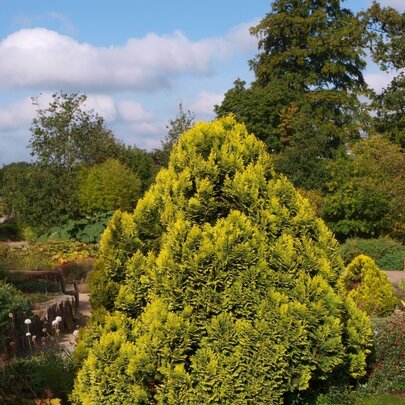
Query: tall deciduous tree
[[385, 27], [64, 136], [184, 121], [67, 134], [224, 285], [308, 75], [310, 44], [389, 111]]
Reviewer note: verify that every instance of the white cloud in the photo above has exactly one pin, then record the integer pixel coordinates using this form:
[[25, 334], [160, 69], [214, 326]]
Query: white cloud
[[378, 81], [148, 128], [238, 39], [19, 114], [205, 102], [42, 58], [133, 112], [102, 105], [146, 135], [16, 115], [397, 4]]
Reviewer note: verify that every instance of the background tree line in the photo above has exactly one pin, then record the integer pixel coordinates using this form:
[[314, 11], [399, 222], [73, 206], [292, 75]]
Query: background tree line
[[80, 168], [337, 140]]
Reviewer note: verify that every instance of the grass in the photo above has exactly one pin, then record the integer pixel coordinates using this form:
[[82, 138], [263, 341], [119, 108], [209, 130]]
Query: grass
[[385, 399]]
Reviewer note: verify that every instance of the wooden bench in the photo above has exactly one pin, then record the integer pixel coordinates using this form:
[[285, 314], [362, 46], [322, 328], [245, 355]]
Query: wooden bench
[[48, 275]]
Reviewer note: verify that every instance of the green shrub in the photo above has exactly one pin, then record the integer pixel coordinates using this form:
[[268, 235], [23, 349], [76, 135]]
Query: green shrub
[[108, 186], [3, 261], [31, 377], [223, 286], [369, 287], [13, 307], [386, 252], [88, 335], [336, 395]]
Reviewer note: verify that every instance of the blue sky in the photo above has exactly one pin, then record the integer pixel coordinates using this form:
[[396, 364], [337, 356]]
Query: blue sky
[[136, 60]]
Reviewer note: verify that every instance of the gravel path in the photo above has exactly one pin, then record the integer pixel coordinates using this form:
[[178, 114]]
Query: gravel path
[[395, 276], [83, 313], [84, 310]]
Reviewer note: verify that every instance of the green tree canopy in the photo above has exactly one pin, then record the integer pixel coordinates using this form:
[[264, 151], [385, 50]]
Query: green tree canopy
[[38, 197], [308, 75], [389, 111], [367, 190], [67, 134], [310, 44], [141, 163], [108, 186], [385, 28], [184, 121], [224, 285]]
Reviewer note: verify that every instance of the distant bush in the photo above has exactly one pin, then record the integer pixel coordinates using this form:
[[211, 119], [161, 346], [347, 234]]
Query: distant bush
[[386, 252], [108, 186], [78, 270], [369, 287]]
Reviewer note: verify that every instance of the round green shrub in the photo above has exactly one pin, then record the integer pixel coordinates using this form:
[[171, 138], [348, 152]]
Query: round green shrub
[[108, 186], [369, 287], [222, 286]]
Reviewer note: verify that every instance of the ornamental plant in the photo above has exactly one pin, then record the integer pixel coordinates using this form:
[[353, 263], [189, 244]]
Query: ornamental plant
[[369, 287], [221, 287]]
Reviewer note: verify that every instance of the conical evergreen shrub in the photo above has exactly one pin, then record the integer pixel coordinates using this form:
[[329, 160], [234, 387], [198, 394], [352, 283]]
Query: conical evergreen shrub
[[222, 287], [369, 287]]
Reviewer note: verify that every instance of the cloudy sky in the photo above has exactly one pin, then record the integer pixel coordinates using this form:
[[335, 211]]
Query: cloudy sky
[[135, 59]]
